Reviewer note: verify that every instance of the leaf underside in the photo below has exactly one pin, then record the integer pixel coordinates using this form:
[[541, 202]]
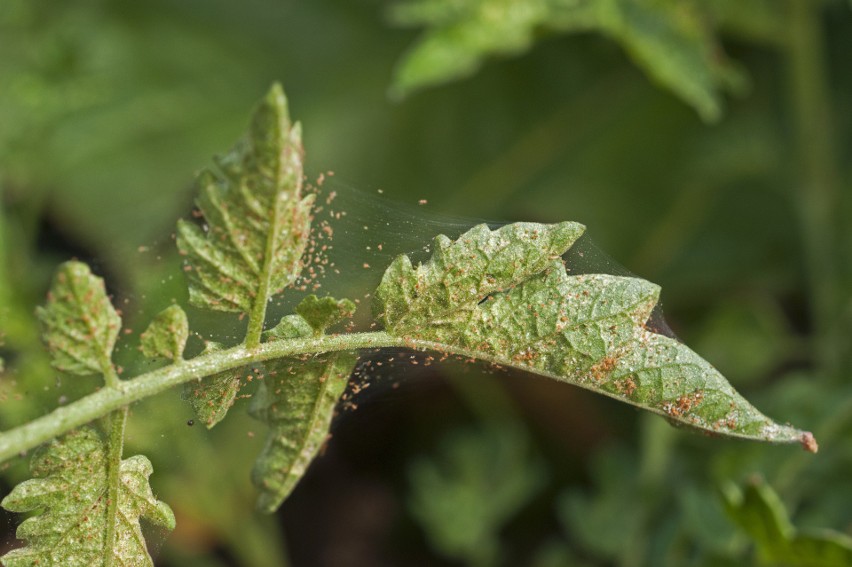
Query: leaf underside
[[296, 399], [79, 324], [166, 336], [672, 40], [479, 296], [69, 497], [212, 397], [256, 222], [321, 314]]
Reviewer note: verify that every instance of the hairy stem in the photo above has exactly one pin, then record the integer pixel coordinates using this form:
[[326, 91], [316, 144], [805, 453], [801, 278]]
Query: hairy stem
[[109, 399], [106, 400], [116, 446]]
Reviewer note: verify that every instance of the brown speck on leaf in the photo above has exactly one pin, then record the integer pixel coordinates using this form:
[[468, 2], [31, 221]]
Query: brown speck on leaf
[[627, 386], [602, 369]]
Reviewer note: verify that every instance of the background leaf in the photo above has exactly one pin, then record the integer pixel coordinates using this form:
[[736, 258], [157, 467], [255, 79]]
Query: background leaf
[[69, 496], [468, 491], [672, 40], [759, 511]]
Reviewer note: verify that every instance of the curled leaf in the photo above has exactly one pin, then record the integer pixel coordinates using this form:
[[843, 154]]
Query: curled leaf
[[500, 296], [69, 495], [79, 324], [166, 335]]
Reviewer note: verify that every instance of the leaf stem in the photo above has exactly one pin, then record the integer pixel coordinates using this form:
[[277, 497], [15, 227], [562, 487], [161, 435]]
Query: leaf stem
[[110, 375], [109, 399], [257, 316], [106, 400], [116, 447]]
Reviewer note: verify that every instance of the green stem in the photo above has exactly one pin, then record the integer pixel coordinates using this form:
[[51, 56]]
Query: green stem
[[819, 177], [116, 446], [109, 399], [106, 400]]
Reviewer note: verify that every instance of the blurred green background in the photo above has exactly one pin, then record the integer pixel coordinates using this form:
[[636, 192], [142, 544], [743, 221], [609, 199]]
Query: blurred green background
[[706, 145]]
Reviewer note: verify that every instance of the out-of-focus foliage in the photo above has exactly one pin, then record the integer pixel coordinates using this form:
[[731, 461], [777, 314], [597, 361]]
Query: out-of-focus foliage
[[106, 105], [475, 483], [672, 40], [759, 511]]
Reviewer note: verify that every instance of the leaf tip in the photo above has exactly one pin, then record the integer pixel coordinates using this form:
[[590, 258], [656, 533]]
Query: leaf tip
[[275, 97], [809, 442]]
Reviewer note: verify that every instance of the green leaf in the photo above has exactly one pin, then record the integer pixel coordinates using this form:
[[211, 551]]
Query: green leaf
[[674, 43], [502, 296], [290, 327], [672, 40], [321, 314], [166, 335], [296, 399], [79, 324], [256, 222], [445, 291], [478, 481], [212, 397], [760, 512], [460, 35], [69, 497], [608, 522]]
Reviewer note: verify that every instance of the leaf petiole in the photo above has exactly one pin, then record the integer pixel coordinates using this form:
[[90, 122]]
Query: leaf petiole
[[61, 420]]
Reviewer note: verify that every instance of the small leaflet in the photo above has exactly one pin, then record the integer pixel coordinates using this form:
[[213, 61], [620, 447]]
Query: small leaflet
[[212, 397], [297, 400], [759, 511], [79, 324], [69, 498], [166, 336], [256, 222], [481, 297], [321, 314]]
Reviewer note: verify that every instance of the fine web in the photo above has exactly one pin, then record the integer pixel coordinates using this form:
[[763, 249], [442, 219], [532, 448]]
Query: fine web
[[357, 234]]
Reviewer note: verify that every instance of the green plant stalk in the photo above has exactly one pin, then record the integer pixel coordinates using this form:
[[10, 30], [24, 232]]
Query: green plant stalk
[[819, 178], [61, 420], [106, 400], [116, 447]]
